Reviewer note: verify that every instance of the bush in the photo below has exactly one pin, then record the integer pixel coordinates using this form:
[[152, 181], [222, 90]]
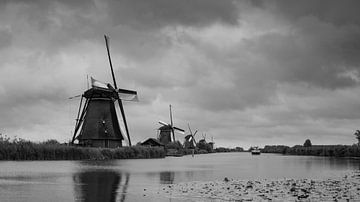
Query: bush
[[174, 145], [280, 149], [19, 149]]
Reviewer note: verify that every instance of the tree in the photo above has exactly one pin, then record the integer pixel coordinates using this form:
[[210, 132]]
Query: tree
[[307, 143], [357, 134]]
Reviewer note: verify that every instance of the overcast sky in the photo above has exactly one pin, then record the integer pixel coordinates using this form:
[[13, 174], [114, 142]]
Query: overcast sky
[[245, 72]]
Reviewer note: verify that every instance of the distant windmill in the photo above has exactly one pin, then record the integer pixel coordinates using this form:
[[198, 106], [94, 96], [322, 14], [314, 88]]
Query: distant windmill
[[204, 136], [190, 141], [97, 123], [212, 142], [167, 130]]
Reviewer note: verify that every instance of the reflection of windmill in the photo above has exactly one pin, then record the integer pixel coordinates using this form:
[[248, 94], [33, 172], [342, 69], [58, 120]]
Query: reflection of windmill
[[98, 119], [190, 142], [167, 130], [104, 185], [167, 177]]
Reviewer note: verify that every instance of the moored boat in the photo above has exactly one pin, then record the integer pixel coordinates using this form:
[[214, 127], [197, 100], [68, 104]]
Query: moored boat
[[255, 151]]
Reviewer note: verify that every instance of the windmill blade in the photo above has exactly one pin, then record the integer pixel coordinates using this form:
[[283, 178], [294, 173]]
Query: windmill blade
[[127, 95], [193, 136], [124, 119], [189, 128], [179, 130], [99, 84], [115, 86], [163, 123], [74, 97]]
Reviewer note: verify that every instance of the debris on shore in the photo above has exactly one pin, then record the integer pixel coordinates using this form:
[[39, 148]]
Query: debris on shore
[[346, 188]]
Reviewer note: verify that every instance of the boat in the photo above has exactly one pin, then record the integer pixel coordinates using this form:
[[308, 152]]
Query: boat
[[255, 151]]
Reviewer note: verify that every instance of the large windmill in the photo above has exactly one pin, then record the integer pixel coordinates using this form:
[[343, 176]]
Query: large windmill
[[97, 123], [190, 142], [167, 130]]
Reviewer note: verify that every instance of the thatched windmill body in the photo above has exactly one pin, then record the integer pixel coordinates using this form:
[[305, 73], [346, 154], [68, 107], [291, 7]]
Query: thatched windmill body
[[190, 142], [97, 123], [167, 131], [212, 143]]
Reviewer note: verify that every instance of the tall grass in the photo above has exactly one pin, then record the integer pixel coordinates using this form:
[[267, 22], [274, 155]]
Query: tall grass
[[316, 150], [326, 150], [281, 149], [19, 149]]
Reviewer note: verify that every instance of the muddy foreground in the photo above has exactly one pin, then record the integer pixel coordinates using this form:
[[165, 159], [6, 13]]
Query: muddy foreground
[[345, 188]]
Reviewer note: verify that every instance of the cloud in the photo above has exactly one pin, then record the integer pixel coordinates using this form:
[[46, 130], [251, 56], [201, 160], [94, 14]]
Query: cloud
[[5, 38], [161, 13], [241, 71], [331, 11]]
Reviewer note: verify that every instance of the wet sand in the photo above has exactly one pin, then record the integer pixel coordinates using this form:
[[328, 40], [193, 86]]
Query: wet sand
[[345, 188]]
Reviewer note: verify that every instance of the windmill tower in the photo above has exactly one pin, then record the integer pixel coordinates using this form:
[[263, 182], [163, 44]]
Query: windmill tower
[[97, 124], [190, 142], [204, 138], [167, 131], [212, 143]]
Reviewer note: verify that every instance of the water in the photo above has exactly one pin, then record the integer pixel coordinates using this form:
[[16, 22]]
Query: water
[[139, 180]]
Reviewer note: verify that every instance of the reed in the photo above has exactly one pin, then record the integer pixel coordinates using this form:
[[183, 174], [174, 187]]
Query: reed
[[316, 150], [281, 149], [19, 149], [326, 150]]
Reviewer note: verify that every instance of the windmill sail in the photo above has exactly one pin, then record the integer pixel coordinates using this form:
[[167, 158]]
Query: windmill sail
[[96, 83], [114, 81], [127, 95], [163, 123], [179, 130]]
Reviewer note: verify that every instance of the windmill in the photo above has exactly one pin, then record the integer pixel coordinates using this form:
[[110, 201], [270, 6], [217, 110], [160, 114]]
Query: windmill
[[167, 130], [204, 137], [190, 141], [97, 123], [212, 142]]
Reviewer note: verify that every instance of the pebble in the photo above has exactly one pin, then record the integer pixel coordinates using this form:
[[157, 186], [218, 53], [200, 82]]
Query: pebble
[[345, 189]]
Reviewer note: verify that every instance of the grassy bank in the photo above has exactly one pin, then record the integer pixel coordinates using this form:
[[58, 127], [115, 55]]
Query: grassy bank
[[51, 150], [316, 150]]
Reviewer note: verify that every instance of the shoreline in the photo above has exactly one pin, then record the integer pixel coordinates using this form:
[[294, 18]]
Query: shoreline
[[345, 188]]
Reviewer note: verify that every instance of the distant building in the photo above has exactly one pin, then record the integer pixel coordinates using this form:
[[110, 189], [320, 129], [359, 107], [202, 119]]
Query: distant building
[[152, 142]]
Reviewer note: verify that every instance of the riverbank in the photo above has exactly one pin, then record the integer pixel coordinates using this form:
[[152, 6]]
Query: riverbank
[[26, 150], [315, 150], [345, 188]]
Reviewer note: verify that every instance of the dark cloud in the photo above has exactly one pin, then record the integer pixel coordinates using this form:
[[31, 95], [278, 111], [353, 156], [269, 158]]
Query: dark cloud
[[143, 14], [5, 38], [314, 52], [222, 64], [331, 11]]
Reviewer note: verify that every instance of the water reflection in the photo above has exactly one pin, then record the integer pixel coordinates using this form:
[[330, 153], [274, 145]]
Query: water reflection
[[101, 185], [167, 177], [32, 181]]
